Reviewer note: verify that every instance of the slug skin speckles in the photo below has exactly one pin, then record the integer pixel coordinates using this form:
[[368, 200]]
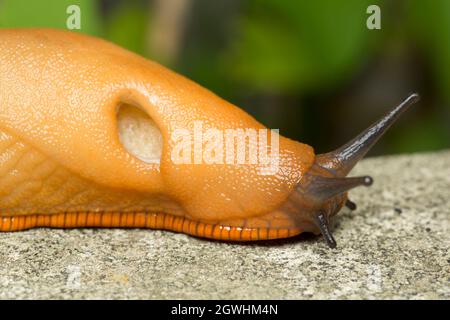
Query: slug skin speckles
[[62, 163]]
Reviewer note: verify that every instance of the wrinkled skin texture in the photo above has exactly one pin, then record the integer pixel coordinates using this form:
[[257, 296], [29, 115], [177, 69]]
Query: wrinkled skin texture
[[59, 92]]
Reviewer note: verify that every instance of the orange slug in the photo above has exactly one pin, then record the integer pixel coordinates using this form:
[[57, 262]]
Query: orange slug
[[89, 133]]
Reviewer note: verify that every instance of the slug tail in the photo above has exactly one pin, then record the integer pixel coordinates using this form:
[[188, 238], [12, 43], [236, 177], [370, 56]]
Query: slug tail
[[342, 160]]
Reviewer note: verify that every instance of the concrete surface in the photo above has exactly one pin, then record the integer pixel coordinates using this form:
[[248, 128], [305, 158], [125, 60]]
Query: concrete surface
[[396, 245]]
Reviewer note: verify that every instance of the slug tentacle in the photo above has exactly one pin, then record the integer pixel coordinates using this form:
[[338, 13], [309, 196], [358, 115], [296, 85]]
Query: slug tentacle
[[322, 192], [323, 188], [342, 160], [323, 224], [350, 204], [324, 197]]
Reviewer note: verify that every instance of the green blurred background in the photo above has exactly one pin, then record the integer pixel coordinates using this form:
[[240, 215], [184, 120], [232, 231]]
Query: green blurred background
[[310, 68]]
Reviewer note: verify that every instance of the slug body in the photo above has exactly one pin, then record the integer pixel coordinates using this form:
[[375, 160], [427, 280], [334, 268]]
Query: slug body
[[64, 98]]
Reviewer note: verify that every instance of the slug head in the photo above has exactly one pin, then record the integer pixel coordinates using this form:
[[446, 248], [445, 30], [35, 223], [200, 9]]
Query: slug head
[[322, 192]]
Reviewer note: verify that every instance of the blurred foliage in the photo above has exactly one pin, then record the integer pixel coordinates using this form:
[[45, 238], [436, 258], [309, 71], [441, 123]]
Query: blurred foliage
[[48, 13], [300, 44], [126, 25], [422, 134], [430, 22], [205, 49], [295, 65]]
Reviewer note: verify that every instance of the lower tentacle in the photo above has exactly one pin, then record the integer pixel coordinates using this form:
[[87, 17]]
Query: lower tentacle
[[350, 204]]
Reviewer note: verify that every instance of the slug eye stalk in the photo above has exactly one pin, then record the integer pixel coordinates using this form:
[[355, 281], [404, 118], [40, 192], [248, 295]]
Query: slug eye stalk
[[323, 188], [337, 164], [342, 160]]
